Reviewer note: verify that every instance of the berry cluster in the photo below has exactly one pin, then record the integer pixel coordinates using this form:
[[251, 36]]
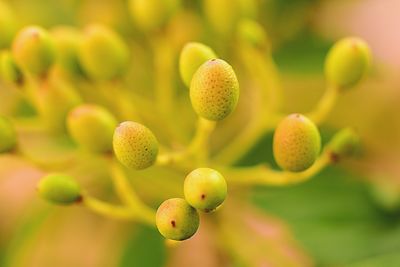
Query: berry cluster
[[74, 80]]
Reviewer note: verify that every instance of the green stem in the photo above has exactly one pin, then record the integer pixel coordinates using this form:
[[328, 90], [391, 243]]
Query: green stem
[[325, 105]]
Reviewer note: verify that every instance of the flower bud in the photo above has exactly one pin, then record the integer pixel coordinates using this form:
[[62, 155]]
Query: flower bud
[[92, 127], [205, 189], [103, 54], [192, 56], [214, 90], [176, 219], [33, 50], [135, 145], [8, 136], [296, 143], [347, 62], [59, 189]]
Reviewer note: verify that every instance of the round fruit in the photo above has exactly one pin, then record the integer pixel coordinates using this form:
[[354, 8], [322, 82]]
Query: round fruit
[[176, 219], [135, 145], [296, 143], [59, 189], [214, 90]]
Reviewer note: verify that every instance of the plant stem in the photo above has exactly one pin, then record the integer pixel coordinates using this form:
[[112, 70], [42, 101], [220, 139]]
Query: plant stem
[[325, 105]]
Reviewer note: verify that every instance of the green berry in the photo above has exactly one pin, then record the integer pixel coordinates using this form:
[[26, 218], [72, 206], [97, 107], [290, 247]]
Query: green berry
[[92, 127], [8, 136], [345, 143], [59, 189], [67, 42], [347, 62], [9, 70], [176, 219], [192, 56], [135, 145], [33, 50], [103, 54], [8, 24], [205, 189], [297, 143], [386, 195], [150, 15], [214, 90]]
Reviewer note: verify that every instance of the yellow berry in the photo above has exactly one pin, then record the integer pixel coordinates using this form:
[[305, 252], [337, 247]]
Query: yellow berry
[[103, 54], [297, 143], [33, 50], [347, 62], [192, 56], [214, 90], [176, 219], [59, 189], [135, 145], [92, 127]]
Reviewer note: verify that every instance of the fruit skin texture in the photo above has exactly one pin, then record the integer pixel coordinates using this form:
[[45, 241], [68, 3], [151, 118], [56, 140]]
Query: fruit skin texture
[[33, 50], [214, 90], [8, 136], [103, 54], [59, 189], [176, 219], [205, 189], [347, 62], [135, 145], [296, 143], [92, 127], [192, 56]]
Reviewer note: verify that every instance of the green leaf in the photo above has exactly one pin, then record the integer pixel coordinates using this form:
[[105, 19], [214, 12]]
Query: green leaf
[[334, 218], [145, 248]]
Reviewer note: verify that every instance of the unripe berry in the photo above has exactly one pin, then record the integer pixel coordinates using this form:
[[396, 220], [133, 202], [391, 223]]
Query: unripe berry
[[176, 219], [67, 41], [296, 143], [344, 143], [214, 90], [347, 62], [8, 24], [59, 189], [33, 50], [103, 54], [92, 127], [9, 70], [8, 136], [150, 15], [192, 56], [135, 145], [205, 189]]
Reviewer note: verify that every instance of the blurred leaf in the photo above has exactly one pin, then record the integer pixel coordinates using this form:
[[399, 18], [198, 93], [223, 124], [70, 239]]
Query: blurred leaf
[[145, 248], [334, 218]]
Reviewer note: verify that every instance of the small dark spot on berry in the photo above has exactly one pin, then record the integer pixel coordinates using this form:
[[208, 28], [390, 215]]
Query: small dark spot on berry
[[173, 223], [203, 196]]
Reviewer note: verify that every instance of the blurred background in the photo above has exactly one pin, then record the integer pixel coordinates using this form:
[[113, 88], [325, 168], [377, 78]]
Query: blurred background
[[349, 215]]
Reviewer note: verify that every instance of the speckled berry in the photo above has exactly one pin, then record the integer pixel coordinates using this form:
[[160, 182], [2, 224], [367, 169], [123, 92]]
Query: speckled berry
[[59, 189], [192, 56], [347, 62], [214, 90], [297, 143], [33, 50], [135, 145], [92, 127], [176, 219], [205, 189]]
